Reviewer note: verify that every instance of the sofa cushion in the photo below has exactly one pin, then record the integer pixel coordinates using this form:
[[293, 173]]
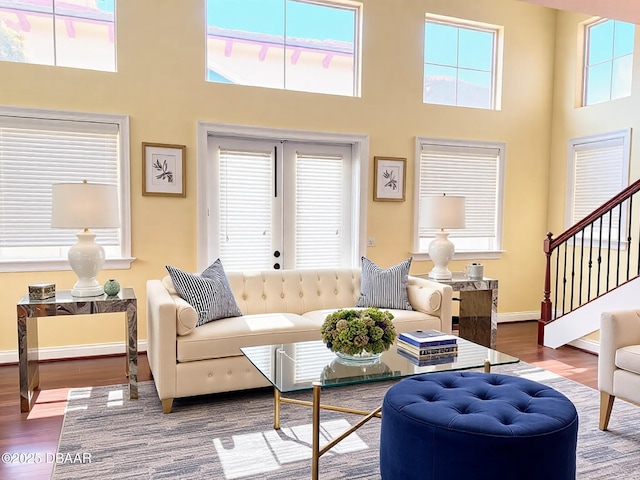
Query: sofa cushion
[[208, 296], [224, 337], [628, 358], [168, 284], [384, 288]]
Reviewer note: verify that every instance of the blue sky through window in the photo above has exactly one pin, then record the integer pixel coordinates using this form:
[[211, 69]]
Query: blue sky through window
[[304, 20]]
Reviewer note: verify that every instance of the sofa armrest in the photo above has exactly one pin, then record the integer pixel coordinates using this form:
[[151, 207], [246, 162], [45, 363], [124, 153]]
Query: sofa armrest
[[617, 329], [161, 338], [420, 291]]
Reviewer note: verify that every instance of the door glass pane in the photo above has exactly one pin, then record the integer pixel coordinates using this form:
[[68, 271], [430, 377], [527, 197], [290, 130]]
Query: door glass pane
[[245, 203], [319, 211]]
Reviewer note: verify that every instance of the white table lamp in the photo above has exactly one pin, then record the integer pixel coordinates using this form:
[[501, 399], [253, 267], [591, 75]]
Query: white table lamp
[[442, 212], [85, 205]]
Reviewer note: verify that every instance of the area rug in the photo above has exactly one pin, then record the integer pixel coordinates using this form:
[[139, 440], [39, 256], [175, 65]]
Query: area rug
[[223, 437]]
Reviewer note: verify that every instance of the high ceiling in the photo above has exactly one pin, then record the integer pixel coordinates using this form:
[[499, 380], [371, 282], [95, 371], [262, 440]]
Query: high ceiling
[[627, 10]]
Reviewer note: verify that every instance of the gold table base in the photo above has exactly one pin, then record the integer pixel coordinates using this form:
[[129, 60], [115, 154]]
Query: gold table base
[[316, 451]]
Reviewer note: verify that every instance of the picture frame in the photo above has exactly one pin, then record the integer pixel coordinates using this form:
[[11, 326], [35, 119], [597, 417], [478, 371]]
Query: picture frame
[[163, 170], [389, 179]]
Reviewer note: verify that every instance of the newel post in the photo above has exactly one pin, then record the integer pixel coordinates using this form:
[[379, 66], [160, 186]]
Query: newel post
[[545, 305]]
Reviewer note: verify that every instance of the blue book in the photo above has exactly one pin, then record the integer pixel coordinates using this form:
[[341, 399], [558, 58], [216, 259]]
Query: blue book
[[428, 338]]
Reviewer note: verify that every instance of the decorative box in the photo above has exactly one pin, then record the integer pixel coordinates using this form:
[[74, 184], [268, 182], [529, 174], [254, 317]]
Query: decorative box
[[40, 291]]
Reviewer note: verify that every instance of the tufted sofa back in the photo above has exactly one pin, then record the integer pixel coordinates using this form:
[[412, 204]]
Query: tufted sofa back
[[295, 291]]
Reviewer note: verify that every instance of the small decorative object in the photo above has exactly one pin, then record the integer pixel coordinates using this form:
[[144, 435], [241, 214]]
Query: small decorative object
[[389, 175], [41, 291], [111, 287], [475, 271], [358, 336]]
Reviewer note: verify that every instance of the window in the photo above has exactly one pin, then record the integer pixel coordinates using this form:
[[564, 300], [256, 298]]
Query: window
[[474, 170], [608, 63], [598, 169], [310, 46], [39, 148], [67, 33], [299, 213], [460, 63]]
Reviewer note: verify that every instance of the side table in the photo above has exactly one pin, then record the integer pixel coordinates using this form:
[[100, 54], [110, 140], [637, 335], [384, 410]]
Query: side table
[[478, 308], [64, 304]]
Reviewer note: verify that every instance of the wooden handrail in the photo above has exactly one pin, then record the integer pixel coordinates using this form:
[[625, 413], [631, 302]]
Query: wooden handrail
[[552, 244], [597, 213]]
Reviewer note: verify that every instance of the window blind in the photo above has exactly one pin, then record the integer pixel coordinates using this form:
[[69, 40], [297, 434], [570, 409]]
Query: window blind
[[319, 211], [598, 176], [472, 172], [36, 153], [246, 192]]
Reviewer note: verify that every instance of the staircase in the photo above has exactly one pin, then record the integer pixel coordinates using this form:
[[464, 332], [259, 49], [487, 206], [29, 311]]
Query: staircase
[[592, 267]]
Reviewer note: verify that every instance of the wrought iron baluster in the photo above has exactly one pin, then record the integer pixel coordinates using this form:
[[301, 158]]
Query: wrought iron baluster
[[581, 265], [629, 236], [573, 271], [591, 263], [555, 303], [619, 245], [599, 258], [564, 279], [608, 250]]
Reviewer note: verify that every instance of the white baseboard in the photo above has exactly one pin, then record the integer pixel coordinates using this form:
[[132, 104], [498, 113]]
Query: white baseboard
[[586, 344], [518, 316], [73, 351]]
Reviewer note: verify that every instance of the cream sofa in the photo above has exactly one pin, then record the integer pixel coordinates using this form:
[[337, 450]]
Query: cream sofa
[[278, 306]]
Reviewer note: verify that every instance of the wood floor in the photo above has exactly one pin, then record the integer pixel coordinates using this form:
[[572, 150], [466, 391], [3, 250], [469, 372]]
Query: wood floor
[[38, 431]]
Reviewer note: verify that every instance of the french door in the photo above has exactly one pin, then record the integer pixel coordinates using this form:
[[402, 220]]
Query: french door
[[281, 204]]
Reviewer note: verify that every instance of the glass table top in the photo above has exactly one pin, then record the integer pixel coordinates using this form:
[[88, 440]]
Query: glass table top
[[296, 366]]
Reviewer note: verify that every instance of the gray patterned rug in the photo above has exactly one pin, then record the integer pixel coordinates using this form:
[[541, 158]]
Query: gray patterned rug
[[225, 437]]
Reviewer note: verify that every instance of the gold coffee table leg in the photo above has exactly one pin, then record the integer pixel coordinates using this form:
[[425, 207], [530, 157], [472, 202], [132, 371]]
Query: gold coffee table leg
[[315, 438], [276, 408]]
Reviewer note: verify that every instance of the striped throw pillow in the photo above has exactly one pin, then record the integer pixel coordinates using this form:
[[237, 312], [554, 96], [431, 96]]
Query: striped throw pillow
[[210, 296], [384, 288]]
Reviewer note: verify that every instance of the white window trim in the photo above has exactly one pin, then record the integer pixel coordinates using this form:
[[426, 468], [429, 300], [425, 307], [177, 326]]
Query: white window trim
[[113, 263], [205, 198], [497, 54], [419, 255], [625, 134]]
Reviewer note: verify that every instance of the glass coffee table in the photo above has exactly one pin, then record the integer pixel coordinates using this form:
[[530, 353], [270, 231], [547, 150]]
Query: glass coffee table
[[292, 367]]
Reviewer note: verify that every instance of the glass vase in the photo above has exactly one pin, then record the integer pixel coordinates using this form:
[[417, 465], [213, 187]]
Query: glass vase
[[358, 359]]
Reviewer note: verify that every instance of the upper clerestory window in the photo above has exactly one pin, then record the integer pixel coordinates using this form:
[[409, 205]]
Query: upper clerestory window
[[461, 61], [66, 33], [310, 46], [608, 60]]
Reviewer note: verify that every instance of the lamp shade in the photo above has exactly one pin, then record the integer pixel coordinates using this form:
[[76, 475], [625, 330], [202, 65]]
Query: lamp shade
[[84, 205], [442, 211]]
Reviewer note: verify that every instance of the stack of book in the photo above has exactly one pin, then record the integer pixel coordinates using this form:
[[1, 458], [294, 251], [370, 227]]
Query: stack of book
[[428, 347]]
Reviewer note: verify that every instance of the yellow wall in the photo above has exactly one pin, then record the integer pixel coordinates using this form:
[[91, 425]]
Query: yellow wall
[[570, 120], [160, 85]]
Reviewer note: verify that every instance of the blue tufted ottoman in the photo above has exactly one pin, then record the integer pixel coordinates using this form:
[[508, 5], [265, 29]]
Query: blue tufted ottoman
[[472, 426]]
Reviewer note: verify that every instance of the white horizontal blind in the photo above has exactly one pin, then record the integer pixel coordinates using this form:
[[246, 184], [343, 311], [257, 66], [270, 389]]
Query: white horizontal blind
[[246, 192], [36, 153], [472, 172], [598, 176], [319, 211]]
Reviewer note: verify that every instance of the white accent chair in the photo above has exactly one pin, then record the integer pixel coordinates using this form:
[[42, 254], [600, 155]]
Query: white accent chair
[[618, 361]]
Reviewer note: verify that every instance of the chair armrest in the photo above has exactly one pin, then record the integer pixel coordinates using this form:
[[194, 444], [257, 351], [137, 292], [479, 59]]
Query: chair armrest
[[419, 292], [617, 329], [161, 338]]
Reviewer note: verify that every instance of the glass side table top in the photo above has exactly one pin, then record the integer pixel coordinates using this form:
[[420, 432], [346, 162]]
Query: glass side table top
[[295, 366]]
